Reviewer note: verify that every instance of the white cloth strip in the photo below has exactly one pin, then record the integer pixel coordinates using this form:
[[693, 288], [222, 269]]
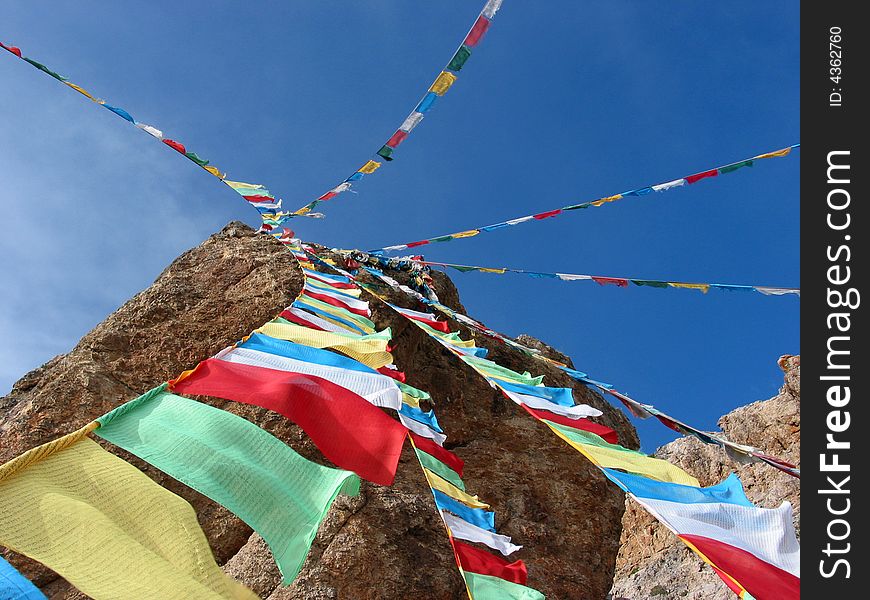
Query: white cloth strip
[[354, 303], [766, 533], [464, 530], [578, 411], [422, 429], [378, 389], [671, 184], [317, 321]]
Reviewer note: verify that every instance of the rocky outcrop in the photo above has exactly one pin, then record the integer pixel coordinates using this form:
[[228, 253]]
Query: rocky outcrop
[[388, 542], [652, 562]]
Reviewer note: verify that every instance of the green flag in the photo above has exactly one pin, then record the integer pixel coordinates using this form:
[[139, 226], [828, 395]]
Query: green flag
[[440, 469], [277, 492], [458, 60], [487, 587]]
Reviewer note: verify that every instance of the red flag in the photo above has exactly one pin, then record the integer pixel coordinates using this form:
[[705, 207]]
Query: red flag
[[477, 31], [432, 322], [604, 432], [482, 562], [420, 243], [335, 302], [13, 49], [397, 138], [268, 199], [618, 282], [328, 195], [397, 375], [445, 456], [293, 318], [352, 433], [177, 146], [760, 578], [704, 175], [545, 215]]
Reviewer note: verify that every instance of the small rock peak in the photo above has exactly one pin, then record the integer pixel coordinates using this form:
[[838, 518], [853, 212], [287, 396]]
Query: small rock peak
[[546, 349], [235, 229]]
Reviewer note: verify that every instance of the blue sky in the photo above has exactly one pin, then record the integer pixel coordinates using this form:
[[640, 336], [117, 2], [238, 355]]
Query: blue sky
[[562, 102]]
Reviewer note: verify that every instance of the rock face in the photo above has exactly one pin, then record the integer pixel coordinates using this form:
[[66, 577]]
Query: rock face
[[652, 563], [388, 542]]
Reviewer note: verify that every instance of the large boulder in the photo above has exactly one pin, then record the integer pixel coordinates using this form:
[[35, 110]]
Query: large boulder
[[389, 541]]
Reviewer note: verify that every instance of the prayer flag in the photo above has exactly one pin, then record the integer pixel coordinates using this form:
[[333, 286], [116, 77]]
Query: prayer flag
[[349, 431], [475, 560], [259, 478], [105, 527]]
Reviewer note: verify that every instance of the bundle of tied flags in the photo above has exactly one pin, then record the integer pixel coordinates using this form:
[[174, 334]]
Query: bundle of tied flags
[[330, 303]]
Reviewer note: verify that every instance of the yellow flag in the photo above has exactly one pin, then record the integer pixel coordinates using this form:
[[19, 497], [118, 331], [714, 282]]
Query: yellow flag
[[776, 154], [606, 200], [443, 83], [333, 312], [242, 184], [105, 527], [369, 350], [370, 167], [704, 287], [214, 171], [628, 460], [410, 400], [80, 90], [319, 284], [436, 482], [496, 271], [465, 234]]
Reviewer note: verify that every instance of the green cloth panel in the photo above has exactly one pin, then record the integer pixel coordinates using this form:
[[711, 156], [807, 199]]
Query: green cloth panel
[[587, 437], [495, 369], [735, 166], [386, 152], [281, 495], [413, 392], [443, 238], [463, 269], [487, 587], [195, 158], [657, 284], [253, 192], [440, 469], [45, 69], [458, 61], [453, 335]]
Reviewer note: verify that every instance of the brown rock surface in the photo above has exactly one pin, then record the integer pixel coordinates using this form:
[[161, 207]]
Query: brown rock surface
[[652, 563], [388, 542]]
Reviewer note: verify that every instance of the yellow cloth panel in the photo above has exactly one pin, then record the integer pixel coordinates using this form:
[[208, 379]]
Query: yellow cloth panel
[[105, 527], [437, 482], [606, 200], [704, 287], [214, 171], [369, 350], [325, 286], [633, 462], [80, 90], [465, 234], [242, 184], [410, 400], [777, 154], [497, 271], [443, 83], [370, 167]]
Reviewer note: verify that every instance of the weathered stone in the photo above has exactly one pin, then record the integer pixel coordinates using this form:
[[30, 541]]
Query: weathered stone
[[388, 542]]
